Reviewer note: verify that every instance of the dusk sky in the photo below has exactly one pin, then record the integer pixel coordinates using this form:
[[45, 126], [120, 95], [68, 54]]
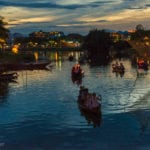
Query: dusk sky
[[74, 16]]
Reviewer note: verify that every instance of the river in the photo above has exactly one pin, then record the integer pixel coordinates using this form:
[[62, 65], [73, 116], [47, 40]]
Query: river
[[40, 111]]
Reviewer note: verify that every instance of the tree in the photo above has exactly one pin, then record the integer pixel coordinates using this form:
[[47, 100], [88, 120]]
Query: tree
[[4, 33], [139, 27], [98, 43], [139, 33]]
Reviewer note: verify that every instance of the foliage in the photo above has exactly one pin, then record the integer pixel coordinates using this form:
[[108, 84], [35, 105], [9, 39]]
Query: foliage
[[121, 45], [139, 34], [9, 57], [139, 27], [75, 36], [4, 33], [98, 43]]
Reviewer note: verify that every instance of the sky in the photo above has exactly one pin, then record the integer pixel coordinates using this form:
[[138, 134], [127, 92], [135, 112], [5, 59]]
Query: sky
[[74, 16]]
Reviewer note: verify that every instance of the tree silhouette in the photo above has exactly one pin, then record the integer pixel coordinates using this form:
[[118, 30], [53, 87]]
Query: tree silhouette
[[139, 33], [98, 43], [139, 27], [4, 33]]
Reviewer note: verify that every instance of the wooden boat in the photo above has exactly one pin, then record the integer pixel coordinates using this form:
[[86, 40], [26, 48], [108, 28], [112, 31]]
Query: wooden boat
[[36, 66], [143, 66], [92, 111], [8, 76], [25, 66], [77, 72], [91, 115]]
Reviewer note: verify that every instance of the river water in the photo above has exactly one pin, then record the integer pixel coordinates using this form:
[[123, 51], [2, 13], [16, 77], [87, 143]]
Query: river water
[[40, 111]]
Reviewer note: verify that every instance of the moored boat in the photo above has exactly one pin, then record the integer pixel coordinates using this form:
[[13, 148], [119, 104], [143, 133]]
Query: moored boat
[[91, 111], [8, 76], [24, 66]]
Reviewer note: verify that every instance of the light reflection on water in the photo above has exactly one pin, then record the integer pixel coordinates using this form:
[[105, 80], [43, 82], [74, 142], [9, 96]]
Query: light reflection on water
[[41, 111]]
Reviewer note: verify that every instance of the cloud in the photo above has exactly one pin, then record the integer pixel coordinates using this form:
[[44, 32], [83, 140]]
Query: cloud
[[147, 5], [135, 7], [53, 5], [74, 14]]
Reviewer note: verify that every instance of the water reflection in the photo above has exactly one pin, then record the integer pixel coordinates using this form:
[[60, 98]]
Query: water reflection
[[119, 74], [4, 89], [76, 81], [45, 113], [92, 119], [57, 55], [141, 73], [143, 117]]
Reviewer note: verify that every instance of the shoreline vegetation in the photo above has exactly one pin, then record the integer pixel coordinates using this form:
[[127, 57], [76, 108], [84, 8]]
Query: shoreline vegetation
[[100, 46]]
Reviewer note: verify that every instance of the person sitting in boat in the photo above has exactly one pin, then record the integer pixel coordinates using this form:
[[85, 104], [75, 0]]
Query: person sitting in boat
[[115, 66], [95, 103], [145, 66], [142, 64], [75, 68], [88, 101], [91, 101], [78, 68], [122, 68]]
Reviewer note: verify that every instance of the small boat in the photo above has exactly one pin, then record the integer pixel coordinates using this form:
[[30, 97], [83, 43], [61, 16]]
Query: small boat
[[76, 72], [142, 65], [91, 115], [36, 66], [93, 111], [71, 58], [25, 66], [8, 76], [81, 102], [91, 118]]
